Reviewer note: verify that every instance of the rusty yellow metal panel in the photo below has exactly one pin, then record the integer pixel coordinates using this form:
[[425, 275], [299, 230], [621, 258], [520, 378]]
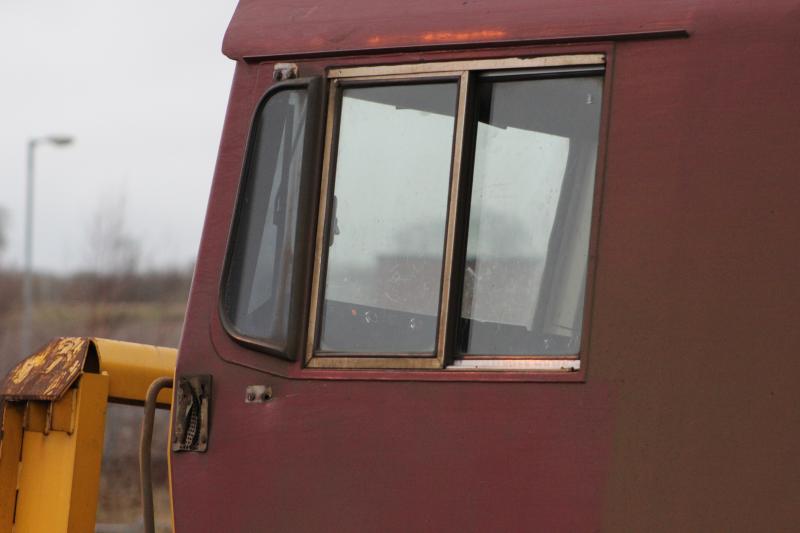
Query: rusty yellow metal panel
[[48, 373], [60, 474], [53, 426], [61, 414], [132, 368], [36, 416], [10, 446]]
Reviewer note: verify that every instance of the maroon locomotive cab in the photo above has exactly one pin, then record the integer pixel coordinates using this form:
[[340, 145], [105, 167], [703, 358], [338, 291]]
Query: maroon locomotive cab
[[498, 266]]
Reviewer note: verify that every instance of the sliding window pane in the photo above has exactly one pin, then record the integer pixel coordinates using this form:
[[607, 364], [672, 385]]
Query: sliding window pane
[[387, 226], [530, 216]]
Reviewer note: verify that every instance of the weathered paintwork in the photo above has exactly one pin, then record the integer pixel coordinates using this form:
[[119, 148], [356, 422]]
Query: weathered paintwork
[[312, 28], [686, 416], [47, 374]]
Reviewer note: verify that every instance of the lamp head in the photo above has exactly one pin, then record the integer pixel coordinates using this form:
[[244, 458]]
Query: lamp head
[[60, 140]]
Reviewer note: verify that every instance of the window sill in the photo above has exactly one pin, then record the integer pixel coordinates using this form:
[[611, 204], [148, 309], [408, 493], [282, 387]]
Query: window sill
[[554, 365]]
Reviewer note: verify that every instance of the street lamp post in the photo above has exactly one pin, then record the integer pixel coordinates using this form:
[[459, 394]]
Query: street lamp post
[[27, 280]]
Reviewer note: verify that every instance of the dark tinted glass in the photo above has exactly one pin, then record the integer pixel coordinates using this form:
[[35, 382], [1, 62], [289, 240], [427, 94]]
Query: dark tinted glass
[[391, 183], [530, 216], [257, 294]]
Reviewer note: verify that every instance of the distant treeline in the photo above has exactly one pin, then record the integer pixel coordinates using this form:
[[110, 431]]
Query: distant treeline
[[145, 307], [153, 286]]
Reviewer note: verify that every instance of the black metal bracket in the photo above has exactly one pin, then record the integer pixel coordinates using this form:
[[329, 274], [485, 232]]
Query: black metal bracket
[[190, 428]]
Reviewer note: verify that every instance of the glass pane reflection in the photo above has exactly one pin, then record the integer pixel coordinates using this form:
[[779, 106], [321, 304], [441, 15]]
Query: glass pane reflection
[[391, 184], [530, 211], [257, 294]]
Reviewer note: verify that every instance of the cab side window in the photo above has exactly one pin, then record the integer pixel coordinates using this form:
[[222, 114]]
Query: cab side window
[[457, 203], [529, 215], [257, 294], [386, 242]]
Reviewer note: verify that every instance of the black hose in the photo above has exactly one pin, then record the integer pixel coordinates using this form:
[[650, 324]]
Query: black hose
[[145, 444]]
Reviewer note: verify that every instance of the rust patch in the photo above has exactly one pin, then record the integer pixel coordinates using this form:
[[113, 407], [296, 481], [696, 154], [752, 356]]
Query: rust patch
[[47, 374]]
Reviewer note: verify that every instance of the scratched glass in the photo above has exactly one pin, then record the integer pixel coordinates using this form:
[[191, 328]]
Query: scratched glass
[[530, 216], [257, 294], [387, 226]]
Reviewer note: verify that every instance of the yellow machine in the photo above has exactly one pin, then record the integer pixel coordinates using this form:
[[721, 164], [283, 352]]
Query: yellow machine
[[53, 425]]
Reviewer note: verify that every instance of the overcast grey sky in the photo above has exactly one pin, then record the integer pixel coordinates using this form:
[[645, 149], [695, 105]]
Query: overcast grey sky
[[143, 87]]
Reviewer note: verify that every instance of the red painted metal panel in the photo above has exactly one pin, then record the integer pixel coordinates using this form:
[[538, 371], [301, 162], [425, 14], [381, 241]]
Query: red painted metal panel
[[687, 418], [291, 29], [363, 456]]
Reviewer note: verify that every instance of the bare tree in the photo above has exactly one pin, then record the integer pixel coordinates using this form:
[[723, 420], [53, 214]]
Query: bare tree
[[111, 249], [113, 255], [3, 225], [10, 283]]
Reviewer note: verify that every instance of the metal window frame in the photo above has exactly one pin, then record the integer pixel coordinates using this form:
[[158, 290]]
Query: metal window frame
[[442, 358]]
